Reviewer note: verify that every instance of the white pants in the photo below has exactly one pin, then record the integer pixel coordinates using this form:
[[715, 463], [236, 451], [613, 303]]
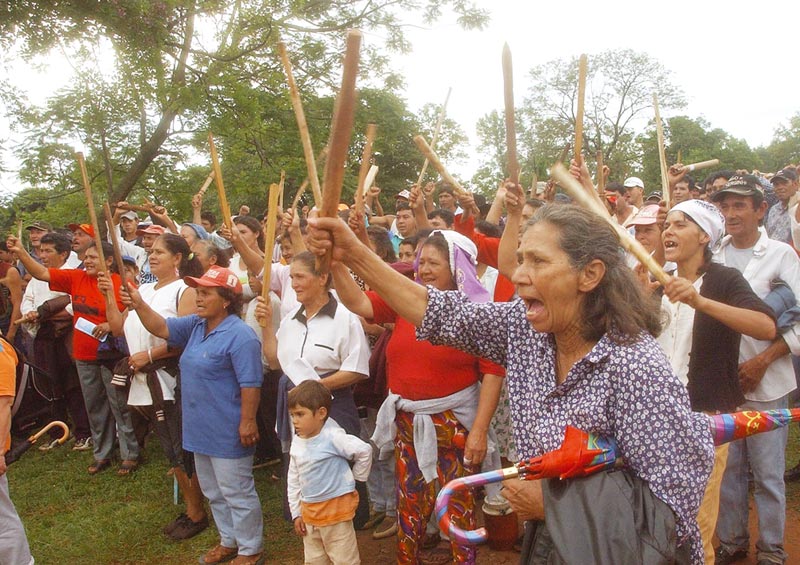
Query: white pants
[[335, 544], [14, 548]]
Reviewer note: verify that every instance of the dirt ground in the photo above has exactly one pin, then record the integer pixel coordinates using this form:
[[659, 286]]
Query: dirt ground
[[381, 552]]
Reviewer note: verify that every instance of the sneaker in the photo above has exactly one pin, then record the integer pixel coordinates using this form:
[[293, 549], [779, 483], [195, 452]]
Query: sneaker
[[724, 557], [387, 530], [188, 529], [49, 446], [84, 444]]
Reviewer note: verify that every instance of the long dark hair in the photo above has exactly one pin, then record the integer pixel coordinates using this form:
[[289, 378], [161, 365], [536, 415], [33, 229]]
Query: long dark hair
[[254, 226], [617, 305], [190, 265]]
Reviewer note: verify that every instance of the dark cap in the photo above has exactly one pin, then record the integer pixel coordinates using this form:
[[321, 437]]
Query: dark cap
[[39, 225], [654, 196], [745, 185], [787, 174]]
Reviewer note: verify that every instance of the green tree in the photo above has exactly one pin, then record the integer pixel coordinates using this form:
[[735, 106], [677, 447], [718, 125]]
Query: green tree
[[620, 85], [784, 148], [181, 66]]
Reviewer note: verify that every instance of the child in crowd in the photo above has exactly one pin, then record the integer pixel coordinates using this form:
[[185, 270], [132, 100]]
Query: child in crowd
[[322, 495]]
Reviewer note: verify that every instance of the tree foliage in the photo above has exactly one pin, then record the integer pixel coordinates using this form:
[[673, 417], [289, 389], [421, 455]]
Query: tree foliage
[[181, 67], [620, 85]]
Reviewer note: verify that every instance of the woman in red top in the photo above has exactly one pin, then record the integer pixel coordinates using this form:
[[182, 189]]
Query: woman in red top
[[434, 400], [106, 405]]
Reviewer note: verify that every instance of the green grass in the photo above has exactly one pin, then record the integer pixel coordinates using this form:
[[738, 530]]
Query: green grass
[[74, 518]]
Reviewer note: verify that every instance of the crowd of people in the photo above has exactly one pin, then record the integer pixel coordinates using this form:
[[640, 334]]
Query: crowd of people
[[448, 336]]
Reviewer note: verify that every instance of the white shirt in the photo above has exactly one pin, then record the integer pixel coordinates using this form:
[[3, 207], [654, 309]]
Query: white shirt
[[37, 293], [332, 340], [676, 335], [165, 302], [281, 284], [771, 260]]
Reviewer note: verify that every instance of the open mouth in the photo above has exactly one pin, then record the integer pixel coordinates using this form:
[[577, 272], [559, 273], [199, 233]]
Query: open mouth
[[670, 245], [534, 308]]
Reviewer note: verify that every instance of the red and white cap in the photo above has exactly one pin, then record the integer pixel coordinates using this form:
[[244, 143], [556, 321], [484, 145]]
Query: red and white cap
[[216, 276]]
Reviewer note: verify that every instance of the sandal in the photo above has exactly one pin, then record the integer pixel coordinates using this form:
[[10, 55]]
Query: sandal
[[127, 467], [98, 465], [257, 559], [218, 554]]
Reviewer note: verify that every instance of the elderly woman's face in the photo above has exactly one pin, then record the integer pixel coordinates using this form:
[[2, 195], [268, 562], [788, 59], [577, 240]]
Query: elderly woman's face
[[306, 284], [682, 238], [209, 303], [546, 281], [189, 235], [434, 268]]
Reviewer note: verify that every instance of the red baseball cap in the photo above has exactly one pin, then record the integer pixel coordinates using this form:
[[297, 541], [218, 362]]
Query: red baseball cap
[[85, 228], [151, 230], [216, 276]]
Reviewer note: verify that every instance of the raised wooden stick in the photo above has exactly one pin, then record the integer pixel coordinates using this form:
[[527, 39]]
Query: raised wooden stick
[[370, 178], [223, 200], [19, 231], [341, 129], [431, 155], [511, 131], [601, 178], [302, 125], [135, 207], [563, 154], [269, 238], [206, 184], [577, 192], [436, 131], [304, 185], [702, 165], [115, 243], [662, 156], [579, 114], [280, 188], [366, 155], [87, 191]]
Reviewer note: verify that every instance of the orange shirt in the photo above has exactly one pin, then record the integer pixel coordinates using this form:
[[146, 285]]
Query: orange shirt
[[330, 512], [87, 302], [8, 379]]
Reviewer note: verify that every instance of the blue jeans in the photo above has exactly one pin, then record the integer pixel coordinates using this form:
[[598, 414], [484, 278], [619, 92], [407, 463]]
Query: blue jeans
[[107, 405], [231, 491], [763, 454]]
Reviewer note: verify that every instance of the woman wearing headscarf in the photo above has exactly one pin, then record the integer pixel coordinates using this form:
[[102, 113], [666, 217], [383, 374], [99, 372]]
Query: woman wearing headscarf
[[435, 400], [709, 307], [578, 350]]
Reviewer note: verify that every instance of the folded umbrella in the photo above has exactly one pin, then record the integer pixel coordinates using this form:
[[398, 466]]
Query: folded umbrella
[[21, 448]]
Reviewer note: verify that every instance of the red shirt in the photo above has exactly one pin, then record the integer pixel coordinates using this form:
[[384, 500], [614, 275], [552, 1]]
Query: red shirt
[[419, 370], [87, 302], [488, 248]]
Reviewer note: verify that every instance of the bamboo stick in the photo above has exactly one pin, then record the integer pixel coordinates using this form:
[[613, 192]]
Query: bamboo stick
[[206, 184], [87, 191], [19, 231], [436, 131], [223, 199], [341, 129], [302, 125], [511, 131], [563, 154], [577, 192], [115, 244], [269, 238], [366, 155], [662, 156], [582, 63], [431, 155], [304, 185], [601, 179], [702, 165], [281, 186]]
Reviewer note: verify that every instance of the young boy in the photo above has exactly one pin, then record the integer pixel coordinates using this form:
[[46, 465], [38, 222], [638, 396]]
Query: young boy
[[322, 495]]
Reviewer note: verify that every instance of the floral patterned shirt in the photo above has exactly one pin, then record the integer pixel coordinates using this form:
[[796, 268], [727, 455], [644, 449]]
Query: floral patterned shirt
[[625, 391]]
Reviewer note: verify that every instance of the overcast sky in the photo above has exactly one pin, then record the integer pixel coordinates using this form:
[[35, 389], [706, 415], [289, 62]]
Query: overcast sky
[[732, 63]]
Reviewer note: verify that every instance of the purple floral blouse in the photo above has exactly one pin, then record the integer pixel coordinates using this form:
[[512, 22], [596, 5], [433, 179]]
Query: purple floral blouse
[[627, 392]]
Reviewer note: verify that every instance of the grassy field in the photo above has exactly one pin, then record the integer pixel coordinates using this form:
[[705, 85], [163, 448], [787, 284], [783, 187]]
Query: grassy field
[[73, 518]]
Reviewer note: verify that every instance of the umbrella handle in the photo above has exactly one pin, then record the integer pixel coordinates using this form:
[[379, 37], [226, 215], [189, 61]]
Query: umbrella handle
[[56, 423], [461, 536]]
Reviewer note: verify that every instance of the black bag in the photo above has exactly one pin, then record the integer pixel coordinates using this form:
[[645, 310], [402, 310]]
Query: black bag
[[610, 518], [34, 398]]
